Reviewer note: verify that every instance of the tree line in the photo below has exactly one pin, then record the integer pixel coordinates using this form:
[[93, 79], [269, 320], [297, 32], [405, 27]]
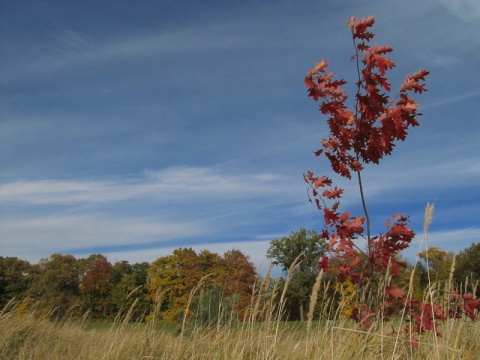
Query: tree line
[[93, 286], [187, 280]]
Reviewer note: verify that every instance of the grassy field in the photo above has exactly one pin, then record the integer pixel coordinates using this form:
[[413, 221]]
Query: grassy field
[[31, 338]]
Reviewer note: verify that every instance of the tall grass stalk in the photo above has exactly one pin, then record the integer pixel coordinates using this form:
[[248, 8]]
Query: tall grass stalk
[[314, 299]]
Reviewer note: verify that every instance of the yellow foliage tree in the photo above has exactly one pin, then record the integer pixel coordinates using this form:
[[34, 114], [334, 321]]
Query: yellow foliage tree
[[176, 275], [438, 264], [348, 298]]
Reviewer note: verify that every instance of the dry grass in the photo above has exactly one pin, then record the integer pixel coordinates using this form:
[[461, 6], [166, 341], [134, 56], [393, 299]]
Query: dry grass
[[30, 338]]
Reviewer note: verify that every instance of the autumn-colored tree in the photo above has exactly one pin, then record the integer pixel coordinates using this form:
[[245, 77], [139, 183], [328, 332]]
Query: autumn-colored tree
[[347, 298], [55, 285], [15, 279], [438, 264], [239, 279], [357, 137], [175, 276], [95, 285], [360, 136], [211, 263]]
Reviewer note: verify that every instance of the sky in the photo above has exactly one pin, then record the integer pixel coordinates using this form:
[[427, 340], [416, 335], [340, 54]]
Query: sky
[[133, 128]]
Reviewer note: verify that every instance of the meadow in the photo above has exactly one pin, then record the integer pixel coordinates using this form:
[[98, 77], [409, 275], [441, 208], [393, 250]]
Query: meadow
[[28, 336], [31, 338]]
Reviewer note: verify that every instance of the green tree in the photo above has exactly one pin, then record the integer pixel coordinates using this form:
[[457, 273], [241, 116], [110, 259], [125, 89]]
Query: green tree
[[212, 307], [467, 269], [129, 290], [15, 279], [56, 284], [284, 251]]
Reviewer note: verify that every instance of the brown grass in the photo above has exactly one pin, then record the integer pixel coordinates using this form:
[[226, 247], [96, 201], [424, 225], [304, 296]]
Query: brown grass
[[31, 338]]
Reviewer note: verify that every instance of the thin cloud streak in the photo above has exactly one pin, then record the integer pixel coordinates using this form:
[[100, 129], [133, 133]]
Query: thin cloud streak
[[451, 100], [171, 184], [69, 232]]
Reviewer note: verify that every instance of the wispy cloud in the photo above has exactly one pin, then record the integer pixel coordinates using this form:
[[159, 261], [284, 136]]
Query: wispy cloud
[[467, 10], [453, 99], [70, 50], [175, 183], [194, 204], [32, 239]]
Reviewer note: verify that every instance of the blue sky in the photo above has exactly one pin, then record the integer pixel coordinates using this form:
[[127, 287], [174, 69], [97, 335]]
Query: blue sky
[[132, 128]]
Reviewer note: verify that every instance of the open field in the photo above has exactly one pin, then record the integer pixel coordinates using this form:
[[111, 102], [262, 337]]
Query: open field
[[29, 338]]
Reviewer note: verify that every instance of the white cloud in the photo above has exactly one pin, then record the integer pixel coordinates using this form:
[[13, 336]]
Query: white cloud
[[42, 236], [189, 203], [85, 230], [452, 99], [170, 184]]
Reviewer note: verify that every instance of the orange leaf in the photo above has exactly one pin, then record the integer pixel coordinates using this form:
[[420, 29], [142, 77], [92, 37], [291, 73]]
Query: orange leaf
[[356, 261]]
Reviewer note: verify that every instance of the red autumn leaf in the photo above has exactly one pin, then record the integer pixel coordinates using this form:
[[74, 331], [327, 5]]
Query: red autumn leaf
[[335, 205], [330, 216], [350, 252], [383, 64], [321, 181], [323, 264], [355, 261], [356, 166], [428, 324], [362, 315], [310, 83], [356, 223], [332, 194], [333, 242], [414, 342], [470, 308], [394, 290], [360, 26], [319, 67]]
